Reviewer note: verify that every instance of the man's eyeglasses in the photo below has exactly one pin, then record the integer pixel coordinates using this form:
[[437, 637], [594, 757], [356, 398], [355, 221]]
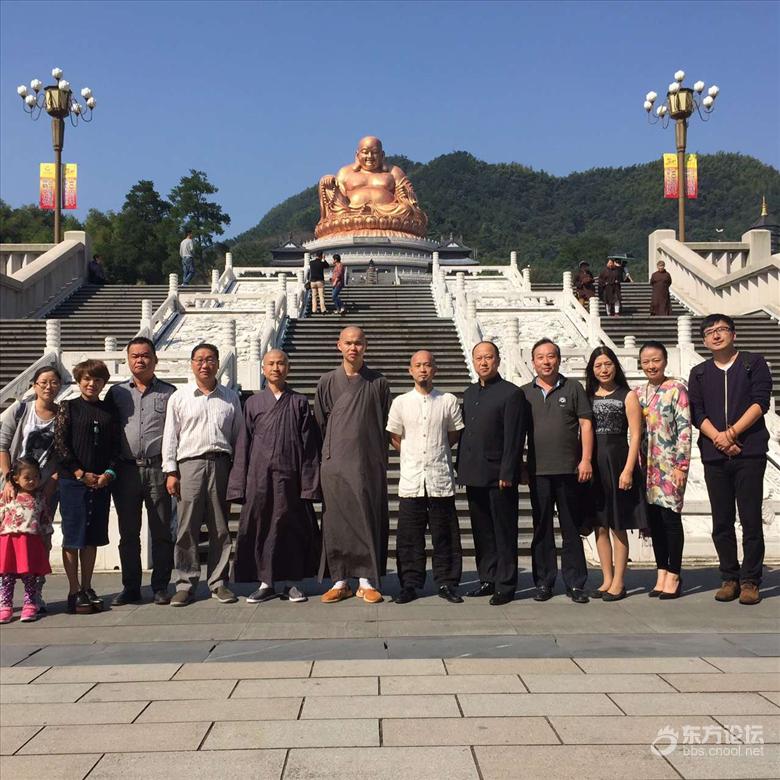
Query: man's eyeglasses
[[209, 361], [720, 331]]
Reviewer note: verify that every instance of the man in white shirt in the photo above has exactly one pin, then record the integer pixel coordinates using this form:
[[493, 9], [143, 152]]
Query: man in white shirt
[[201, 429], [186, 252], [423, 426]]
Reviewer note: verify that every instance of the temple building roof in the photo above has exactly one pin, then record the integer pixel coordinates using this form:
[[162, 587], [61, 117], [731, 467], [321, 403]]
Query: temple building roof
[[768, 222]]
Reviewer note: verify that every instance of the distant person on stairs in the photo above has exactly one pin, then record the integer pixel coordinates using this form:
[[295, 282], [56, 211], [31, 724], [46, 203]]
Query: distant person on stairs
[[372, 275], [337, 276], [96, 271], [276, 477], [351, 407], [609, 287], [660, 282], [186, 252], [317, 268], [584, 284]]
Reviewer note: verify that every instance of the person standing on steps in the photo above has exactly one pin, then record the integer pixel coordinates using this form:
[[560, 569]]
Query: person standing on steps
[[141, 403], [186, 252], [489, 465], [337, 277], [730, 394], [559, 463], [660, 282], [351, 407], [424, 424], [276, 477], [201, 428], [609, 287], [584, 284], [317, 268]]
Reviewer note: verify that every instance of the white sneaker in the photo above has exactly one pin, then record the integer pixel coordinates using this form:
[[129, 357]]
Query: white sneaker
[[294, 594]]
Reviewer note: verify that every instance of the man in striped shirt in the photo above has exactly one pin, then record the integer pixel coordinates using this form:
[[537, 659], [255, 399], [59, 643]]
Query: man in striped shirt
[[201, 428]]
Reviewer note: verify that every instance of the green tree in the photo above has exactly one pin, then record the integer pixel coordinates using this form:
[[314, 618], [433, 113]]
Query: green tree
[[192, 210], [30, 225]]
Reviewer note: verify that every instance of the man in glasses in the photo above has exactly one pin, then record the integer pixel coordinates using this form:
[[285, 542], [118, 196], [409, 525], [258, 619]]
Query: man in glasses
[[201, 429], [729, 396]]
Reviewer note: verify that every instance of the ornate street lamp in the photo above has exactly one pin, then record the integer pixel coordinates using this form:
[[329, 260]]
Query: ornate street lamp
[[680, 105], [59, 103]]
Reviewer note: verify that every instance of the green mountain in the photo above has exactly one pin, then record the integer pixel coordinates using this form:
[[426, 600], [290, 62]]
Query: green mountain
[[551, 221]]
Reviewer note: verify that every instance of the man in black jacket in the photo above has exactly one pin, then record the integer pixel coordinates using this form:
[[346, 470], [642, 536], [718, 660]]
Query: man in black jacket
[[729, 396], [489, 462]]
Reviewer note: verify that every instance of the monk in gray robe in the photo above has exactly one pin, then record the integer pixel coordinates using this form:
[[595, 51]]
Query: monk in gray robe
[[275, 476], [351, 407]]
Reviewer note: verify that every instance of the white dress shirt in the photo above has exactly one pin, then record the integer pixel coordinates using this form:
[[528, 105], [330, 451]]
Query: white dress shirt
[[186, 248], [199, 423], [424, 422]]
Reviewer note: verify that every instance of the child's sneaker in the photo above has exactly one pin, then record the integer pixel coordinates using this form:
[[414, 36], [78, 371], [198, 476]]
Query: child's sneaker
[[6, 613], [29, 613]]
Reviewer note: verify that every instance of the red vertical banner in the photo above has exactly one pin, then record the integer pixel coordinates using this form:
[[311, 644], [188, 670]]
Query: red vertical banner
[[691, 177], [670, 176], [671, 183], [70, 193], [46, 187]]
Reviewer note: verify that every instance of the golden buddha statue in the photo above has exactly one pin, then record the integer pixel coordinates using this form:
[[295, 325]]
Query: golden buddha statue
[[369, 198]]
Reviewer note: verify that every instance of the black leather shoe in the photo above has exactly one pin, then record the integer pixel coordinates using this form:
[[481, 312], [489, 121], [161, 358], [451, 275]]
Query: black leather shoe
[[94, 599], [543, 593], [162, 597], [596, 594], [448, 593], [405, 596], [484, 589], [614, 596], [654, 594], [79, 604], [497, 599], [126, 597], [577, 596]]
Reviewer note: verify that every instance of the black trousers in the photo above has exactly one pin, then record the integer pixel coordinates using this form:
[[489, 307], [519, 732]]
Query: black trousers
[[494, 518], [549, 491], [136, 486], [414, 516], [737, 484], [666, 531]]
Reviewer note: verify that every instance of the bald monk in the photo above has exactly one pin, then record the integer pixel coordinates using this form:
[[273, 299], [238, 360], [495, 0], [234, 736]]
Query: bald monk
[[275, 476], [351, 408], [423, 425]]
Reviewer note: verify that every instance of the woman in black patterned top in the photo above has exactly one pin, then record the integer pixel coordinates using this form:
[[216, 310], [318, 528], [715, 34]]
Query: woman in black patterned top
[[87, 441], [617, 499]]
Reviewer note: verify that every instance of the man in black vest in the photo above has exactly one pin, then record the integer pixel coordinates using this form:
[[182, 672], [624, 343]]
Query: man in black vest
[[489, 464]]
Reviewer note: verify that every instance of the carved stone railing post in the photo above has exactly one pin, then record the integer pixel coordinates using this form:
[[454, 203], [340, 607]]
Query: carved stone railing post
[[513, 260], [282, 282], [629, 342], [527, 278], [146, 313], [684, 335], [109, 344], [230, 333], [228, 260], [270, 310], [173, 284], [512, 332], [435, 266], [214, 280], [53, 336], [566, 291]]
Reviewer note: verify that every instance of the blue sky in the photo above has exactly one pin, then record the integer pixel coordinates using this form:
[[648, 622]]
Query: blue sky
[[267, 97]]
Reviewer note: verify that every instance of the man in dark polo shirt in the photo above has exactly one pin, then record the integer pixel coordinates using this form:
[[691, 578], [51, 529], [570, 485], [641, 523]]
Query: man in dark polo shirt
[[489, 464], [141, 403], [560, 450]]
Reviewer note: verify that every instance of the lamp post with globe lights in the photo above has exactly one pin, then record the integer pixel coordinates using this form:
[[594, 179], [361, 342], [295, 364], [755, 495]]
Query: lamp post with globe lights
[[680, 104], [57, 99]]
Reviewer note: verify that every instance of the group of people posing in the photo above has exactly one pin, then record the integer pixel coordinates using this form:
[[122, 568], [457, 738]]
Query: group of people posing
[[609, 459]]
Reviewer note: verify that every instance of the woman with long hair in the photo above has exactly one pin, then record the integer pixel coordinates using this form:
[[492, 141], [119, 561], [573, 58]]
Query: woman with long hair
[[617, 504], [666, 455]]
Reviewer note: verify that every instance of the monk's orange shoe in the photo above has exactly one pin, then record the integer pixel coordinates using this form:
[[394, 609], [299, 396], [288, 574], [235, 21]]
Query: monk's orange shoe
[[369, 595], [336, 594]]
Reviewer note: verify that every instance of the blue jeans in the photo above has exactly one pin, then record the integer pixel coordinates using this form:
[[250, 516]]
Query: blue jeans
[[337, 288], [188, 269]]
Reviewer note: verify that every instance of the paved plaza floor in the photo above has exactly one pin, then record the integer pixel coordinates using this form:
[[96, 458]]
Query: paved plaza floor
[[637, 688]]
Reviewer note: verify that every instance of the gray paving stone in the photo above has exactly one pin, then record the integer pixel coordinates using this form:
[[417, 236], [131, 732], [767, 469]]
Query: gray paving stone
[[773, 696], [541, 704], [467, 731], [653, 644], [322, 686], [565, 617], [448, 628], [13, 737], [88, 635], [646, 665], [750, 681], [571, 762], [511, 666], [694, 703], [755, 644], [20, 675], [319, 630], [334, 732], [456, 683], [300, 649], [14, 654], [108, 673], [538, 646], [107, 738], [154, 691], [423, 706], [254, 764], [769, 726], [756, 665], [148, 652], [194, 615], [195, 710], [385, 763], [247, 670], [73, 767], [621, 729], [423, 666], [65, 714], [33, 694], [594, 683], [739, 761]]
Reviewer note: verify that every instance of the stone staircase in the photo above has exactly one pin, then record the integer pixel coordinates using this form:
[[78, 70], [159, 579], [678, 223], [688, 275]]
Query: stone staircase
[[398, 320]]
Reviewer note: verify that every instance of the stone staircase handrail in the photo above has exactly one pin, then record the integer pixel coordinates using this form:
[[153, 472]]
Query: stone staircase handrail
[[587, 322], [14, 257]]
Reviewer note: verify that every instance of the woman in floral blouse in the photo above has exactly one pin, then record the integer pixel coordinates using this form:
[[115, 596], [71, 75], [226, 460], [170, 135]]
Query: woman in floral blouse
[[665, 457]]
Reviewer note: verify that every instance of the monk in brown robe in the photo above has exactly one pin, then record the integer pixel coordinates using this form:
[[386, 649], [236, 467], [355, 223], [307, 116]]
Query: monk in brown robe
[[584, 284], [275, 476], [609, 287], [660, 282], [351, 407]]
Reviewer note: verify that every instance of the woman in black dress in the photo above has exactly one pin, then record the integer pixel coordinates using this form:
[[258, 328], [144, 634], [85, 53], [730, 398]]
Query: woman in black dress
[[617, 499]]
